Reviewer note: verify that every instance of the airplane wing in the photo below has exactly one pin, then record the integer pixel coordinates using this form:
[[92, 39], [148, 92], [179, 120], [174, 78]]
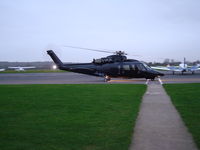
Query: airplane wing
[[22, 67], [194, 68], [171, 68], [177, 70], [28, 67], [2, 69], [161, 68]]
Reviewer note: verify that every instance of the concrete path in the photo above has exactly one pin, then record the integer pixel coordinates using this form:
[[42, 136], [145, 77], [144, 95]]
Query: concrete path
[[159, 126]]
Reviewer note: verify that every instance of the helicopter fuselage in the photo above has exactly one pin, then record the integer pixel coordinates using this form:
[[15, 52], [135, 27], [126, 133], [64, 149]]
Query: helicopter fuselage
[[120, 67], [131, 69]]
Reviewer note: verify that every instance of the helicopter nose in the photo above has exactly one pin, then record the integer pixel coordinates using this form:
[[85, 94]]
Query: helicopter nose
[[156, 73], [160, 74]]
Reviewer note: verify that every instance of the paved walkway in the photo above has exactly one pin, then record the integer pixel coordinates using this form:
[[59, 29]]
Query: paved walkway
[[159, 126]]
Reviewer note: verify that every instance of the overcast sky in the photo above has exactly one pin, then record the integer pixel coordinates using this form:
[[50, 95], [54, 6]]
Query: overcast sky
[[154, 29]]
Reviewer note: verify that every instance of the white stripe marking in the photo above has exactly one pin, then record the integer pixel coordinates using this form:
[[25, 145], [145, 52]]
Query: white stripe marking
[[160, 81], [147, 82]]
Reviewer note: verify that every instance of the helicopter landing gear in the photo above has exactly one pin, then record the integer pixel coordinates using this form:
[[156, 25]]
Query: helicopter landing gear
[[107, 78], [152, 79]]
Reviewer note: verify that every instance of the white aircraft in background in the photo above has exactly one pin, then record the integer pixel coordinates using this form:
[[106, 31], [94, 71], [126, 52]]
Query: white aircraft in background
[[19, 68], [2, 69], [183, 67]]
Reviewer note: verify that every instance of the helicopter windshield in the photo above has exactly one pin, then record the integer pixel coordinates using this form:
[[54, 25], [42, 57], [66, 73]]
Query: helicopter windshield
[[141, 67], [146, 66]]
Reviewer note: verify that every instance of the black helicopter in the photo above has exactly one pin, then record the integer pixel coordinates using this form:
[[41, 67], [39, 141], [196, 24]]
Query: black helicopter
[[113, 66]]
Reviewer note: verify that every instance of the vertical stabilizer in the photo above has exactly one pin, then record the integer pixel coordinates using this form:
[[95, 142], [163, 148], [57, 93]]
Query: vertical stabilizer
[[57, 61], [184, 62]]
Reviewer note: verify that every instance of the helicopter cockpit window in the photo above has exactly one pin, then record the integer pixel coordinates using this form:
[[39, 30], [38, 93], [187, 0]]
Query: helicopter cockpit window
[[126, 67], [141, 67], [147, 67]]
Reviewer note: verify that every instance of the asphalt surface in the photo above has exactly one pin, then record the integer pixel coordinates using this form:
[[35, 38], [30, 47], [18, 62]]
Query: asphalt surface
[[159, 125], [74, 78]]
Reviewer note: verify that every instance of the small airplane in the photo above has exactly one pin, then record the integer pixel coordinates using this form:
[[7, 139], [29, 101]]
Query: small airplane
[[2, 69], [113, 66], [19, 68], [183, 67]]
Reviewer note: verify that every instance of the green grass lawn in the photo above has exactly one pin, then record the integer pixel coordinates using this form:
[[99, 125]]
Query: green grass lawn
[[186, 98], [31, 71], [68, 117]]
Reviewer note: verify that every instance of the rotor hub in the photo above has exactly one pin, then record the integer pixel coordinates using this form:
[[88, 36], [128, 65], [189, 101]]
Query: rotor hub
[[120, 53]]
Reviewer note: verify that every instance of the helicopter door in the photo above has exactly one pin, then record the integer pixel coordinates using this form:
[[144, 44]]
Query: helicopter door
[[133, 70], [125, 69]]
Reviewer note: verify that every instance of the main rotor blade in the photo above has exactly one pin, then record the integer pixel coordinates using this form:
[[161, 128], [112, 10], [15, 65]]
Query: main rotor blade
[[102, 50], [90, 49]]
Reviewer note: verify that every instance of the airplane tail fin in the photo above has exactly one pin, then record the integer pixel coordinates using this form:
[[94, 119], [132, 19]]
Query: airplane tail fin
[[184, 62], [57, 61]]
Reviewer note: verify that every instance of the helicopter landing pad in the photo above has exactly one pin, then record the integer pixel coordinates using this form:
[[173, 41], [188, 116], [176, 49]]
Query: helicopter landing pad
[[75, 78]]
